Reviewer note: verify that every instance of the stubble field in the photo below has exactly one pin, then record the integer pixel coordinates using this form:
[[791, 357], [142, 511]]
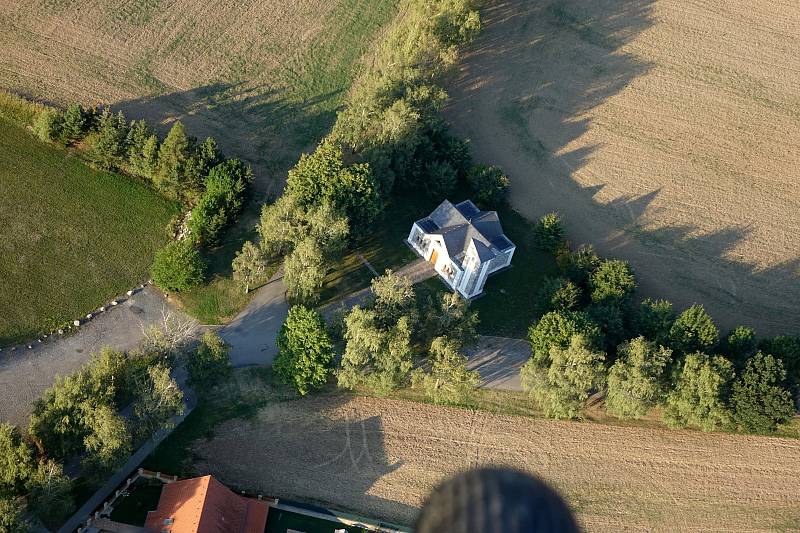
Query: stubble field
[[381, 458], [265, 78], [665, 132]]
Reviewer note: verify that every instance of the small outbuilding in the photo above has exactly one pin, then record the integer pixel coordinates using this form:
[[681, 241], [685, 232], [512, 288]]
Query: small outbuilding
[[463, 243]]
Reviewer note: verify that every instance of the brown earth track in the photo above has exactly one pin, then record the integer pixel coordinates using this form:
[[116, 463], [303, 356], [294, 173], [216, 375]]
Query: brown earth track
[[665, 132], [382, 457]]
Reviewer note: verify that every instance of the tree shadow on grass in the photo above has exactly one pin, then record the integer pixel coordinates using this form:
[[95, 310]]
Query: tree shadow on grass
[[538, 69], [259, 125]]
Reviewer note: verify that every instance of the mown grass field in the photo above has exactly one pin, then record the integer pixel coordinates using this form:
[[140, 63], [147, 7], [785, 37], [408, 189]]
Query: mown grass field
[[264, 78], [71, 238]]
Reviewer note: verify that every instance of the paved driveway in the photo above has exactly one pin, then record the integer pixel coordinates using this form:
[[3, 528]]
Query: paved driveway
[[252, 334], [26, 373], [498, 361]]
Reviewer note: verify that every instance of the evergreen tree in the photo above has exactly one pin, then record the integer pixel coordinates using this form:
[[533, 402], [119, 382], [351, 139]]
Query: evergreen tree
[[109, 144], [740, 345], [74, 125], [548, 233], [142, 150], [172, 157], [305, 351], [653, 320], [611, 280]]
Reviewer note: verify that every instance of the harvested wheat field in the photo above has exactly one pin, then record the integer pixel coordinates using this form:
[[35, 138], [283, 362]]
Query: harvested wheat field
[[665, 132], [265, 78], [381, 458]]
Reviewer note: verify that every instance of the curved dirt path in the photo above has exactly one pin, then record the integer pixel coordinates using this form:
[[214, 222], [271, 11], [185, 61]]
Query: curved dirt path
[[664, 132]]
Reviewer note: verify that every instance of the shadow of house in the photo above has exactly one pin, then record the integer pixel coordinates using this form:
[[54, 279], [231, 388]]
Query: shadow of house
[[301, 451], [261, 126], [537, 70]]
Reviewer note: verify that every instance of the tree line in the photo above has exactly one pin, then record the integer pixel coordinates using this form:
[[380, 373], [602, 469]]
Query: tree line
[[389, 137], [592, 338], [98, 416], [214, 188], [398, 337]]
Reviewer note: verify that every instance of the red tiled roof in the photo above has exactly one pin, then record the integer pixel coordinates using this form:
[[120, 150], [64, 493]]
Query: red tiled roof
[[204, 505]]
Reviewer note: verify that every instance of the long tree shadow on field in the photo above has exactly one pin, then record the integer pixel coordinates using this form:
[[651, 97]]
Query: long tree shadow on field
[[310, 450], [260, 126], [538, 68]]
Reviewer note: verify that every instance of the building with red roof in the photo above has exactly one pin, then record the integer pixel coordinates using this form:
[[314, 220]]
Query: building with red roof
[[204, 505]]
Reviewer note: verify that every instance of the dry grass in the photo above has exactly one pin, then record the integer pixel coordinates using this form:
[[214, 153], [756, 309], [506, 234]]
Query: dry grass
[[664, 131], [381, 457], [263, 77]]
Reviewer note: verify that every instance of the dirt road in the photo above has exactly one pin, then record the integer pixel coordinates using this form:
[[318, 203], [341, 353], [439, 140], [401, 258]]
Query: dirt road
[[665, 132], [382, 457]]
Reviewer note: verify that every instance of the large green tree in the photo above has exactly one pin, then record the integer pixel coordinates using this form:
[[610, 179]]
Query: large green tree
[[448, 381], [305, 350], [700, 397], [562, 387], [323, 177], [638, 380], [760, 400], [653, 320], [450, 316], [304, 271], [393, 297], [557, 328], [375, 357], [693, 331], [221, 202], [142, 150]]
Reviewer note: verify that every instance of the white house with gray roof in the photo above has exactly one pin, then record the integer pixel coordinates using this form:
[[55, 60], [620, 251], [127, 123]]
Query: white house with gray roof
[[464, 244]]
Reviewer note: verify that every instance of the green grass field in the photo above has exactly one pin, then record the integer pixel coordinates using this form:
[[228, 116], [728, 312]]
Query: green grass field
[[71, 238]]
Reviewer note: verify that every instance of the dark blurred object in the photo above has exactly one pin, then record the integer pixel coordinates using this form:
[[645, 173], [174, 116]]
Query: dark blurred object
[[498, 500]]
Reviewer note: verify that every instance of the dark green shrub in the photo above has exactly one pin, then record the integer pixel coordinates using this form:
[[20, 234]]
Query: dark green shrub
[[548, 233], [178, 267], [760, 399], [489, 185], [653, 320], [693, 331], [305, 351], [612, 280]]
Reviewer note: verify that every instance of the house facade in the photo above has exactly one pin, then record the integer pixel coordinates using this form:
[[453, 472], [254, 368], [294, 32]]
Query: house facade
[[464, 244]]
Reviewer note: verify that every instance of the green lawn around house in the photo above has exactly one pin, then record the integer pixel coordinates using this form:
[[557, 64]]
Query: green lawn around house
[[71, 238], [280, 521], [143, 497], [507, 305]]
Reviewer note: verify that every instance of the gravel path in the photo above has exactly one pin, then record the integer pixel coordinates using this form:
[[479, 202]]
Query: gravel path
[[252, 334], [26, 373]]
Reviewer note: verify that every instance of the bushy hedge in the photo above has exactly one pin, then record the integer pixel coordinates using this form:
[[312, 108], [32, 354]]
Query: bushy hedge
[[653, 356]]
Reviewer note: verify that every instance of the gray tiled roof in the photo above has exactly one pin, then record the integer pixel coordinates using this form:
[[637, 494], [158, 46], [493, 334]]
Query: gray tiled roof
[[464, 223]]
